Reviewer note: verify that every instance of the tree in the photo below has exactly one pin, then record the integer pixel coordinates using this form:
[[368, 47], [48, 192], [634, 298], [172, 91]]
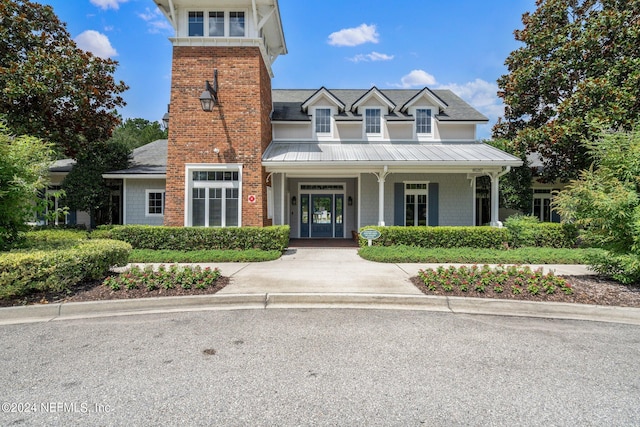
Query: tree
[[24, 171], [579, 70], [605, 201], [515, 186], [84, 186], [50, 88], [137, 132]]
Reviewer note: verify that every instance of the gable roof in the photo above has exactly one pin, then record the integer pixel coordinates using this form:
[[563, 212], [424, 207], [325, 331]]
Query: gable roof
[[374, 92], [287, 104], [320, 92]]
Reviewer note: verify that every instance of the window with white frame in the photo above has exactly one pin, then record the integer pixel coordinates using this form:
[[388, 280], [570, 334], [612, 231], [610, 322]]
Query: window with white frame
[[542, 201], [416, 197], [323, 120], [217, 23], [154, 202], [236, 24], [372, 120], [196, 24], [214, 197], [423, 121]]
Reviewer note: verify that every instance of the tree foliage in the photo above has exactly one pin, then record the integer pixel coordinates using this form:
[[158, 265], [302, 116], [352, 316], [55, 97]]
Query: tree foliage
[[515, 186], [577, 71], [605, 201], [50, 88], [137, 132], [24, 171], [84, 186]]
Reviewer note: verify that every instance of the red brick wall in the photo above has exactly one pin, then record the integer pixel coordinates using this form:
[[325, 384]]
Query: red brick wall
[[239, 126]]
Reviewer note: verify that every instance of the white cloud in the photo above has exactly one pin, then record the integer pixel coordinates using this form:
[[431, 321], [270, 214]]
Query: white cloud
[[96, 43], [373, 56], [156, 22], [354, 36], [416, 78], [481, 95], [108, 4]]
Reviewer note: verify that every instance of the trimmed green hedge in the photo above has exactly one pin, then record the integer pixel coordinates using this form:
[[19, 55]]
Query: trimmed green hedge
[[529, 231], [22, 272], [440, 237], [198, 238]]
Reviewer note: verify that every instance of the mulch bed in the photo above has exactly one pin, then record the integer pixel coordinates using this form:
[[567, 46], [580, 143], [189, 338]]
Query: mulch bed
[[595, 290], [96, 291]]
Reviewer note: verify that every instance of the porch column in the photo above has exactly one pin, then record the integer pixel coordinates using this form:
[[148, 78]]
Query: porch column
[[495, 181], [495, 194], [382, 176]]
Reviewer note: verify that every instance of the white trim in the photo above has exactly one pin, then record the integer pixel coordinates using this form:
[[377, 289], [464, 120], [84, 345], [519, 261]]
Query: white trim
[[188, 185], [415, 192], [134, 176], [423, 136], [124, 201], [377, 136], [319, 93], [320, 136], [147, 191]]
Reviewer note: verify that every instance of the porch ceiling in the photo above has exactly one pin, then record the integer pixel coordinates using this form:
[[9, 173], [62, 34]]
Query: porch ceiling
[[331, 155]]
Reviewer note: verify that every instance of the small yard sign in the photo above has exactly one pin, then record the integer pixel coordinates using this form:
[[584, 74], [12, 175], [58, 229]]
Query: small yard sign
[[370, 234]]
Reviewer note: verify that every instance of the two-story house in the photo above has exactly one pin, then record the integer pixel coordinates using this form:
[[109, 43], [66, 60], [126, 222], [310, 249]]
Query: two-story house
[[324, 161]]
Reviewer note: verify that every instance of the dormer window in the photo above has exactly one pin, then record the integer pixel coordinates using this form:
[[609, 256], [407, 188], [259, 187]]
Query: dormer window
[[323, 120], [372, 120], [423, 121]]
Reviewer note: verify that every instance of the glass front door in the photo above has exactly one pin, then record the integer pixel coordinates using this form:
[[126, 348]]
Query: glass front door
[[321, 215]]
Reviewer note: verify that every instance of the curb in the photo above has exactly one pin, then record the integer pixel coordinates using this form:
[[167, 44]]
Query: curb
[[454, 305]]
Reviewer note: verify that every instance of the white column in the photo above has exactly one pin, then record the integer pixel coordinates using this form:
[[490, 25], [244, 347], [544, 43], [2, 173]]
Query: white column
[[382, 176], [495, 194], [495, 181]]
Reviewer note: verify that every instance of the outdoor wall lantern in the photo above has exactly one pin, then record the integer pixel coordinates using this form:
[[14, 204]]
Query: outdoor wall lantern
[[209, 96], [294, 201], [350, 201]]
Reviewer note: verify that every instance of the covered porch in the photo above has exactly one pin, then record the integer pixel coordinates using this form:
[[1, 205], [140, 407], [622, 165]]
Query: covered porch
[[326, 190]]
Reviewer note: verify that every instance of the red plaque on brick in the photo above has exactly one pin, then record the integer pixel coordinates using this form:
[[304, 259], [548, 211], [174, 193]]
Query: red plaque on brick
[[251, 198]]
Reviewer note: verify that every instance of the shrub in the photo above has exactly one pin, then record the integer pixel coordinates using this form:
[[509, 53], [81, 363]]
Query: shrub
[[440, 237], [23, 271], [198, 238], [527, 230]]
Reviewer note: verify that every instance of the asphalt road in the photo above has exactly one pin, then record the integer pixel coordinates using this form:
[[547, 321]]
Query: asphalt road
[[319, 367]]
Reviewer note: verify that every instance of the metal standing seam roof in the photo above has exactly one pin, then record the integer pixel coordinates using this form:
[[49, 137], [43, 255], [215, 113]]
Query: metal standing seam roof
[[335, 154]]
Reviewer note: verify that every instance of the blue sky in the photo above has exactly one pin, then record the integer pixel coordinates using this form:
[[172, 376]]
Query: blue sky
[[460, 45]]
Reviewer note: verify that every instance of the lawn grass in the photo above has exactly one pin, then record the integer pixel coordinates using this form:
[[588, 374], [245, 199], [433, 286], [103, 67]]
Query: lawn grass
[[473, 255], [169, 256]]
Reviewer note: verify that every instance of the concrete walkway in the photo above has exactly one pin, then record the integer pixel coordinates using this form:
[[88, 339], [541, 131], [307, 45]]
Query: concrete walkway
[[325, 278], [335, 270]]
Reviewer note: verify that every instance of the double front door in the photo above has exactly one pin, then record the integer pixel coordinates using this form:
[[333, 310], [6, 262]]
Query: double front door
[[322, 215]]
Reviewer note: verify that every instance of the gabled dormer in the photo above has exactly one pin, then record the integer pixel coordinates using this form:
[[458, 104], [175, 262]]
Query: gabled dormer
[[424, 107], [322, 107], [373, 106], [227, 23]]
